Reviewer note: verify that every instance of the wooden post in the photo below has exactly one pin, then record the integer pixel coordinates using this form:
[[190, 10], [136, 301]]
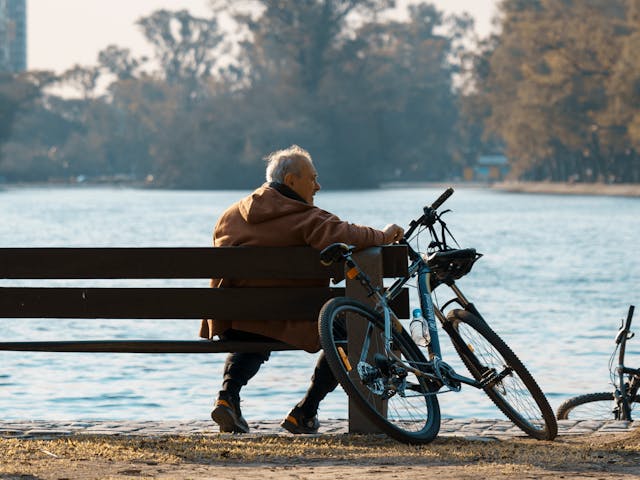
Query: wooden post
[[370, 261]]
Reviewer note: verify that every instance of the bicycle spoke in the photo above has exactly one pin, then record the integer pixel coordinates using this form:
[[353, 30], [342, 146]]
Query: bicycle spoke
[[606, 409], [594, 406], [511, 387], [506, 380], [383, 388], [406, 412]]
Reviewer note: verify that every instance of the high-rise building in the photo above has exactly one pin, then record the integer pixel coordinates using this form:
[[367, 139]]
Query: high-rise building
[[13, 35]]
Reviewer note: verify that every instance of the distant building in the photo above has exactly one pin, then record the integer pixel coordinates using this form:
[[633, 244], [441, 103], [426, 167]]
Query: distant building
[[488, 168], [13, 35]]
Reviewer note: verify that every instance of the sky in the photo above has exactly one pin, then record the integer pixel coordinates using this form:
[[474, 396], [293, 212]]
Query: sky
[[63, 33]]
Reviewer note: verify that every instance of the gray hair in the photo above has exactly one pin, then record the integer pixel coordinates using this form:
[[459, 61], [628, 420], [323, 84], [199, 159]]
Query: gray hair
[[285, 161]]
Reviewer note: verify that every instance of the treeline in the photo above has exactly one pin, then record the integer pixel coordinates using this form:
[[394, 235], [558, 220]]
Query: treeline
[[372, 99], [559, 88]]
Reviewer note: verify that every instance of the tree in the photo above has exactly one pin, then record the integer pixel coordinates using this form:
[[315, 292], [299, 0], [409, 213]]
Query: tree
[[119, 62], [187, 48], [83, 78], [547, 86], [18, 92], [621, 119], [392, 98], [371, 98]]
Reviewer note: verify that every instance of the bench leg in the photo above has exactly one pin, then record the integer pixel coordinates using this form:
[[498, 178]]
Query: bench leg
[[370, 260]]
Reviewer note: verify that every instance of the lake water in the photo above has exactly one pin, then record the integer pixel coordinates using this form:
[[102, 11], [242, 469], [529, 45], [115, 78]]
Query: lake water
[[558, 274]]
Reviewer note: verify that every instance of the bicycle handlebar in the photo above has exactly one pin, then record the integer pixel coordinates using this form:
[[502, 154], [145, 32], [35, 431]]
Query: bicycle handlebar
[[442, 198], [429, 217], [629, 317], [624, 329]]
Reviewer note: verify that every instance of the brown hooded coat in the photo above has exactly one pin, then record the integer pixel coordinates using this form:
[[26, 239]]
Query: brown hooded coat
[[269, 218]]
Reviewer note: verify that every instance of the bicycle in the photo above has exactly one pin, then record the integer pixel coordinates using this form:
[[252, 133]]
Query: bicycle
[[616, 405], [384, 371]]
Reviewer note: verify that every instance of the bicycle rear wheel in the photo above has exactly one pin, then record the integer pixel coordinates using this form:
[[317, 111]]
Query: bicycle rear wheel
[[515, 393], [392, 397], [592, 406]]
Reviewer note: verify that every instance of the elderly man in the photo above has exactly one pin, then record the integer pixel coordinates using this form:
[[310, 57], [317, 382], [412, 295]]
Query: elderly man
[[280, 213]]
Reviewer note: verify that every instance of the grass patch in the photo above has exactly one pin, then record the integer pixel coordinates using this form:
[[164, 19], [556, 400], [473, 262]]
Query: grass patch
[[346, 449]]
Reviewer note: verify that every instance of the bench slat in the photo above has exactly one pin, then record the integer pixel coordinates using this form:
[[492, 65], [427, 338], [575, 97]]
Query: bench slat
[[254, 262], [146, 346], [285, 303], [163, 303], [219, 262]]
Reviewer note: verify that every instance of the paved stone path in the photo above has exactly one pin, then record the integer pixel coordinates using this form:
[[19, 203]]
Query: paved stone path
[[470, 428]]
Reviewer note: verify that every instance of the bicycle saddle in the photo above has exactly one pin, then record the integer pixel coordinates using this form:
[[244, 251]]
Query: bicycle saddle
[[334, 253]]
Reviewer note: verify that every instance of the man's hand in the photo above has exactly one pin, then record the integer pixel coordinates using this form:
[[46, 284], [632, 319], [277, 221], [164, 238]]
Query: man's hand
[[392, 233]]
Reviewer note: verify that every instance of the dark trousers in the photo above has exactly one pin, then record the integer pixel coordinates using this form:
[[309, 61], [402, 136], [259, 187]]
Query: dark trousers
[[240, 367]]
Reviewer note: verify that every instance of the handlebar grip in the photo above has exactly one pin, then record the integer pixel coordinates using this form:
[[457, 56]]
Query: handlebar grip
[[629, 317], [442, 198]]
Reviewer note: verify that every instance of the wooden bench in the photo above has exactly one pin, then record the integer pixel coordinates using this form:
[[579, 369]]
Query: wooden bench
[[93, 302]]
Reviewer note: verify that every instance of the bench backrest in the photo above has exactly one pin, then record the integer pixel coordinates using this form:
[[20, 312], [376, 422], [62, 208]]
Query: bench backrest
[[176, 302], [172, 263]]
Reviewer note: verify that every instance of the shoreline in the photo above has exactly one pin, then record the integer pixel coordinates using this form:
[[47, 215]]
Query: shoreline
[[545, 188], [565, 188], [449, 427]]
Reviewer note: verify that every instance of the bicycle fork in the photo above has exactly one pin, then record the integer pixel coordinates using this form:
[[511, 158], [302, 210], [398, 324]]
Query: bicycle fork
[[626, 392], [443, 372], [488, 377], [436, 370]]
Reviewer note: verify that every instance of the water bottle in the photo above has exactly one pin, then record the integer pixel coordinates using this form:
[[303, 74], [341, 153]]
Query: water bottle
[[419, 329]]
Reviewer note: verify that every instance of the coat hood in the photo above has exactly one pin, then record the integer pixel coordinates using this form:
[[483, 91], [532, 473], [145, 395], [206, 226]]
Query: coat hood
[[266, 203]]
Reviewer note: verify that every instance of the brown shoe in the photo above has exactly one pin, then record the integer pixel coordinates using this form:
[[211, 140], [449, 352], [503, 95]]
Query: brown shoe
[[297, 424], [228, 417]]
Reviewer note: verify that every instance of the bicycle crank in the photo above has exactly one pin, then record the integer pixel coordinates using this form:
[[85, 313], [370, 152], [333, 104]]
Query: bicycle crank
[[447, 375]]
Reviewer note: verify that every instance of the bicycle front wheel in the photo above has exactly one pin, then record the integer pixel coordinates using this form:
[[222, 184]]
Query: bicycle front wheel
[[393, 397], [514, 390], [593, 406]]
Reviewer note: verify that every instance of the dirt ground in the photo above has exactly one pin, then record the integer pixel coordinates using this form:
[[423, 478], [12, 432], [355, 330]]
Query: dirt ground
[[343, 457]]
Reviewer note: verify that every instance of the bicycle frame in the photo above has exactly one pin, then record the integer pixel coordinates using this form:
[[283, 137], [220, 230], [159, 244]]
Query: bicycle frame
[[616, 404], [625, 391], [384, 363], [441, 372], [436, 370]]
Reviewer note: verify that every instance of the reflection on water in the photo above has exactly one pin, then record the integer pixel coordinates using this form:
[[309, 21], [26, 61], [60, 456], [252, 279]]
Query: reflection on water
[[557, 276]]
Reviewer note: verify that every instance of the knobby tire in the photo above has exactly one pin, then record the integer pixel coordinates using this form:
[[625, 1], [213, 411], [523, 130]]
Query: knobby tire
[[592, 406], [517, 395], [413, 418]]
